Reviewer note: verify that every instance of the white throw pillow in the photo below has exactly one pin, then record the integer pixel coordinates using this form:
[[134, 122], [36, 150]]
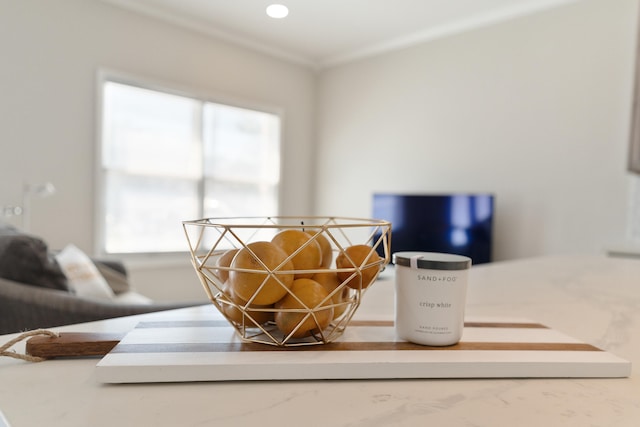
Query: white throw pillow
[[82, 274]]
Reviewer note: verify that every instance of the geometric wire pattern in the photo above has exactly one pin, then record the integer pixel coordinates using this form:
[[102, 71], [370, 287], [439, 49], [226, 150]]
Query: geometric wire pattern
[[211, 238]]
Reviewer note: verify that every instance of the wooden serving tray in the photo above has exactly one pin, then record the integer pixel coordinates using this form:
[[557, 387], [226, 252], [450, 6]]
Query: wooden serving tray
[[210, 350]]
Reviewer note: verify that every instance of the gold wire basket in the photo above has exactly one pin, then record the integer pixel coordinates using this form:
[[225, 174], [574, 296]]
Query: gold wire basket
[[288, 281]]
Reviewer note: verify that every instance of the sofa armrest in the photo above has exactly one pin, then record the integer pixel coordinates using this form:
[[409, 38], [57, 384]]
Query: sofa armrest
[[26, 307]]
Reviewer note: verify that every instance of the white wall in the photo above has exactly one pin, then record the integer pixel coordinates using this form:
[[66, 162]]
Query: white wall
[[535, 110], [51, 52]]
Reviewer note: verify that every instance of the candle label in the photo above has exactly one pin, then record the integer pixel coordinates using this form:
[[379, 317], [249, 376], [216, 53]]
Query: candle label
[[425, 278], [430, 305]]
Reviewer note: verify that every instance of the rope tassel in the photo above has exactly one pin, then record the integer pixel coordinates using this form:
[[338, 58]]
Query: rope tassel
[[4, 349]]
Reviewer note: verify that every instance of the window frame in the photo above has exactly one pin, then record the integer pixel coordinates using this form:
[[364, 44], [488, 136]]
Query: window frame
[[202, 95]]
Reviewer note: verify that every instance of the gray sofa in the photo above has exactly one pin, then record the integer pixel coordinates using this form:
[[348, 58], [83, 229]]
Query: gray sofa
[[33, 291]]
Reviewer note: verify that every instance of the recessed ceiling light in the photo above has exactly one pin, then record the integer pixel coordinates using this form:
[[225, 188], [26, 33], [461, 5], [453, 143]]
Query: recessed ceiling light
[[277, 11]]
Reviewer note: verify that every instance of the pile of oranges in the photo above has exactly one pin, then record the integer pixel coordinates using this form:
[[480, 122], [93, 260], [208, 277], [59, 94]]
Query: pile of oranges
[[291, 281]]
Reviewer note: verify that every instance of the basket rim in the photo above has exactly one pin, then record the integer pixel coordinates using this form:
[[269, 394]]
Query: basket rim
[[327, 221]]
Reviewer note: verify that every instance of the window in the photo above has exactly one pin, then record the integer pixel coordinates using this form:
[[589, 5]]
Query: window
[[165, 158]]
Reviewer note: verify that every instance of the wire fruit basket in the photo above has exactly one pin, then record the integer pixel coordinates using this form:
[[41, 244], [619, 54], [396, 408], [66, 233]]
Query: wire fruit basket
[[288, 281]]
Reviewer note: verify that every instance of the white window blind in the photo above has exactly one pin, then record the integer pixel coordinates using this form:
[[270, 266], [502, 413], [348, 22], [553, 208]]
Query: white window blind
[[165, 158]]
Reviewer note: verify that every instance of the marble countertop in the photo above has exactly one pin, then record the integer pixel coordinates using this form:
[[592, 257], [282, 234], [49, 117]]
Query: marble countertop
[[593, 298]]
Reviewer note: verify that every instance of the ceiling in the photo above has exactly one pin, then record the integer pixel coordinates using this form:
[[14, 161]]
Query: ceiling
[[322, 33]]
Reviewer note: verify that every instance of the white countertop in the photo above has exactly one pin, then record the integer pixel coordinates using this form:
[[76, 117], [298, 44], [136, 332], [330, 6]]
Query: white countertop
[[593, 298]]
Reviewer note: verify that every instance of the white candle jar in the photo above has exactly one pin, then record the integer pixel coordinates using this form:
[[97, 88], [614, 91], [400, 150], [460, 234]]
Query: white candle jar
[[430, 298]]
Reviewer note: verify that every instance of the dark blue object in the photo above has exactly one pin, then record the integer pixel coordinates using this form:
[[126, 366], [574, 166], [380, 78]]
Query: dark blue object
[[459, 224]]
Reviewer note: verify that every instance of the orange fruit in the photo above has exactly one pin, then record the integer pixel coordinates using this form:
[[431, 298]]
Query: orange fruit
[[325, 248], [329, 279], [308, 255], [309, 296], [361, 259], [225, 261], [236, 315], [261, 286]]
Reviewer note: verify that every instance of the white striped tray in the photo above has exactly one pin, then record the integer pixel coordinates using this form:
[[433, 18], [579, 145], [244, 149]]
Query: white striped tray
[[209, 350]]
